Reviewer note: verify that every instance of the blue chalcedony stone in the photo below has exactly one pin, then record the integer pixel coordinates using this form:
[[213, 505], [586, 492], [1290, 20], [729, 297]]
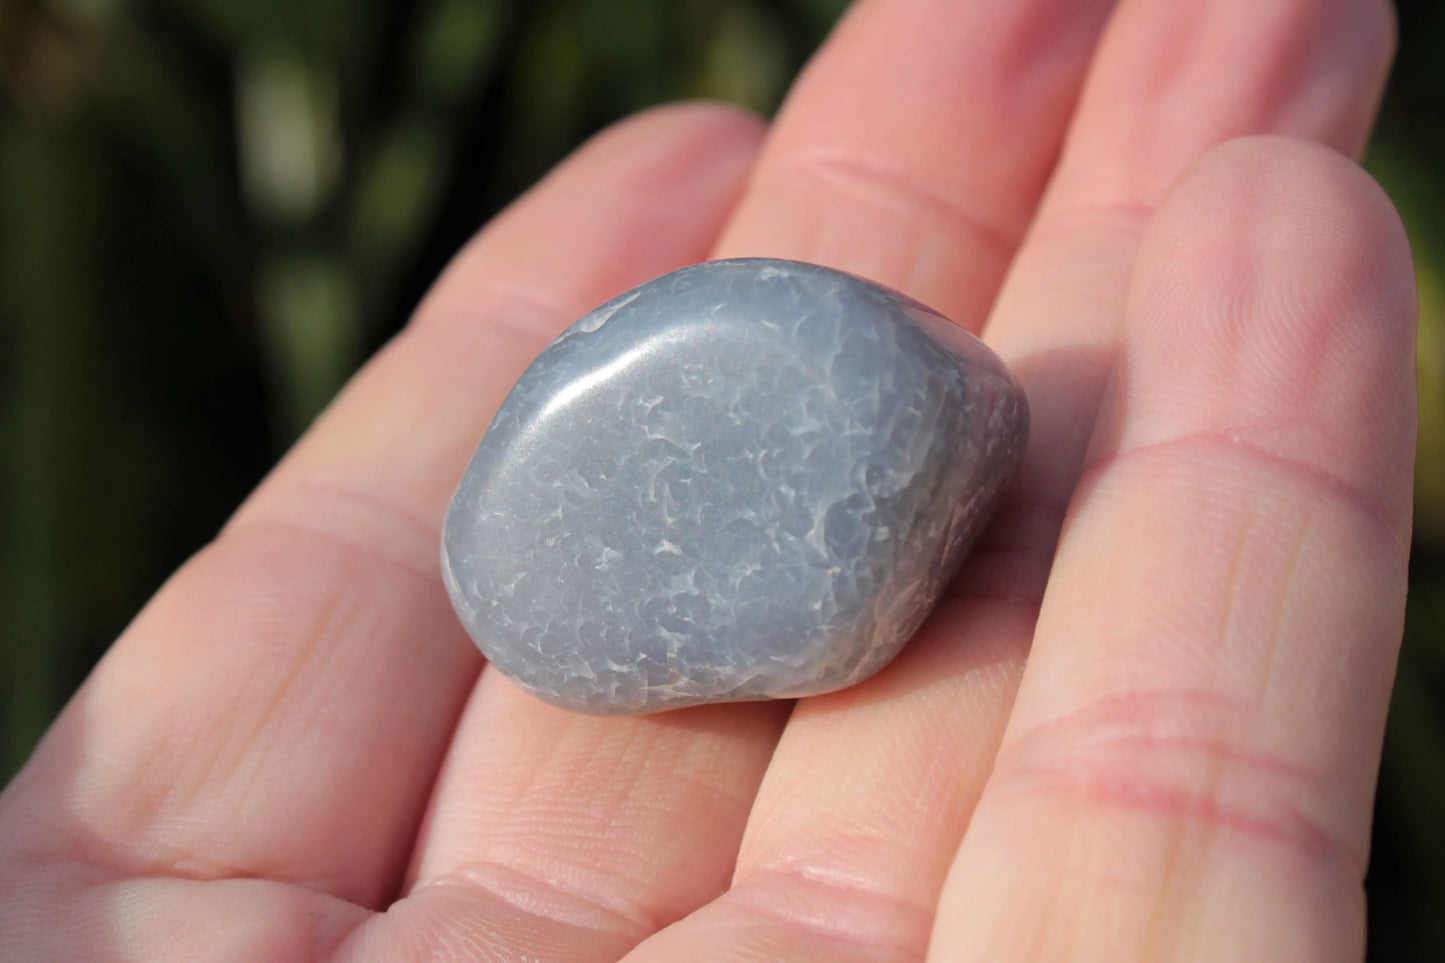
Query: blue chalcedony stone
[[746, 479]]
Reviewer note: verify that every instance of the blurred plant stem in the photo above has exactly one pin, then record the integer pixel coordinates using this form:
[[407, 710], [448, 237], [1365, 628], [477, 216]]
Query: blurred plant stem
[[1421, 202], [308, 306], [59, 488]]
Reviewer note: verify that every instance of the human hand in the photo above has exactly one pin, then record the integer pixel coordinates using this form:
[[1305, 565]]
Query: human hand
[[1146, 724]]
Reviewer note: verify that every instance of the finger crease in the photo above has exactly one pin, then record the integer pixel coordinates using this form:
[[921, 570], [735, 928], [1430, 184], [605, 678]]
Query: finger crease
[[549, 898], [1127, 218], [1207, 443], [502, 309], [889, 187], [836, 906], [1180, 755], [359, 548]]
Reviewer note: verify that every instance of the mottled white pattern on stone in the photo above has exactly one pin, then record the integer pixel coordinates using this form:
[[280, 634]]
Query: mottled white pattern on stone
[[746, 479]]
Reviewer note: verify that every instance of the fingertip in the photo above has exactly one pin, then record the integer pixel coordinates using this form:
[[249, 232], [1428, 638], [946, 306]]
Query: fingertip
[[652, 189], [1290, 240], [708, 115], [701, 115], [1269, 205], [1273, 302], [681, 140]]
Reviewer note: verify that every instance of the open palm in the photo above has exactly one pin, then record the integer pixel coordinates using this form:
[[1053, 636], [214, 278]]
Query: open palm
[[1145, 724]]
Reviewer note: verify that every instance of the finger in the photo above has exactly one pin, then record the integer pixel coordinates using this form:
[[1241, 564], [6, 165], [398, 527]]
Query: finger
[[1171, 81], [914, 149], [609, 849], [1189, 768], [879, 833], [280, 708]]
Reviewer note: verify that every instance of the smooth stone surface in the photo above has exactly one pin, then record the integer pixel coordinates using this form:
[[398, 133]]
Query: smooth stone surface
[[746, 479]]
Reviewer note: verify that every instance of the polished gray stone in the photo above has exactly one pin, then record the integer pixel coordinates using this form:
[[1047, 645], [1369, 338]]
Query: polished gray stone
[[746, 479]]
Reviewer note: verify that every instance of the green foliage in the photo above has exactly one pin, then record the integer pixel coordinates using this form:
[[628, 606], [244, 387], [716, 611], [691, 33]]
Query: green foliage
[[212, 210]]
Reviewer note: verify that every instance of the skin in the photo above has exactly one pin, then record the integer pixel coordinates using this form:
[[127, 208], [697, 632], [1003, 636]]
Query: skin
[[1146, 723]]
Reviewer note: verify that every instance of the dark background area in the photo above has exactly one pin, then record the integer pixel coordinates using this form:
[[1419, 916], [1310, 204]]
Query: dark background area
[[212, 210]]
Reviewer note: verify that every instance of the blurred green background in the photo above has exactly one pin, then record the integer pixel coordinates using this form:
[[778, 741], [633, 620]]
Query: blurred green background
[[212, 210]]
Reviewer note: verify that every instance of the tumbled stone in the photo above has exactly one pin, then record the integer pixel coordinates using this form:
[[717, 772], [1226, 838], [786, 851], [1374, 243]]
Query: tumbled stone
[[743, 480]]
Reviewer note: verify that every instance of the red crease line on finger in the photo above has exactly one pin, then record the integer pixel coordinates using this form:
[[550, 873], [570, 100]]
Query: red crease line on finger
[[1203, 442]]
